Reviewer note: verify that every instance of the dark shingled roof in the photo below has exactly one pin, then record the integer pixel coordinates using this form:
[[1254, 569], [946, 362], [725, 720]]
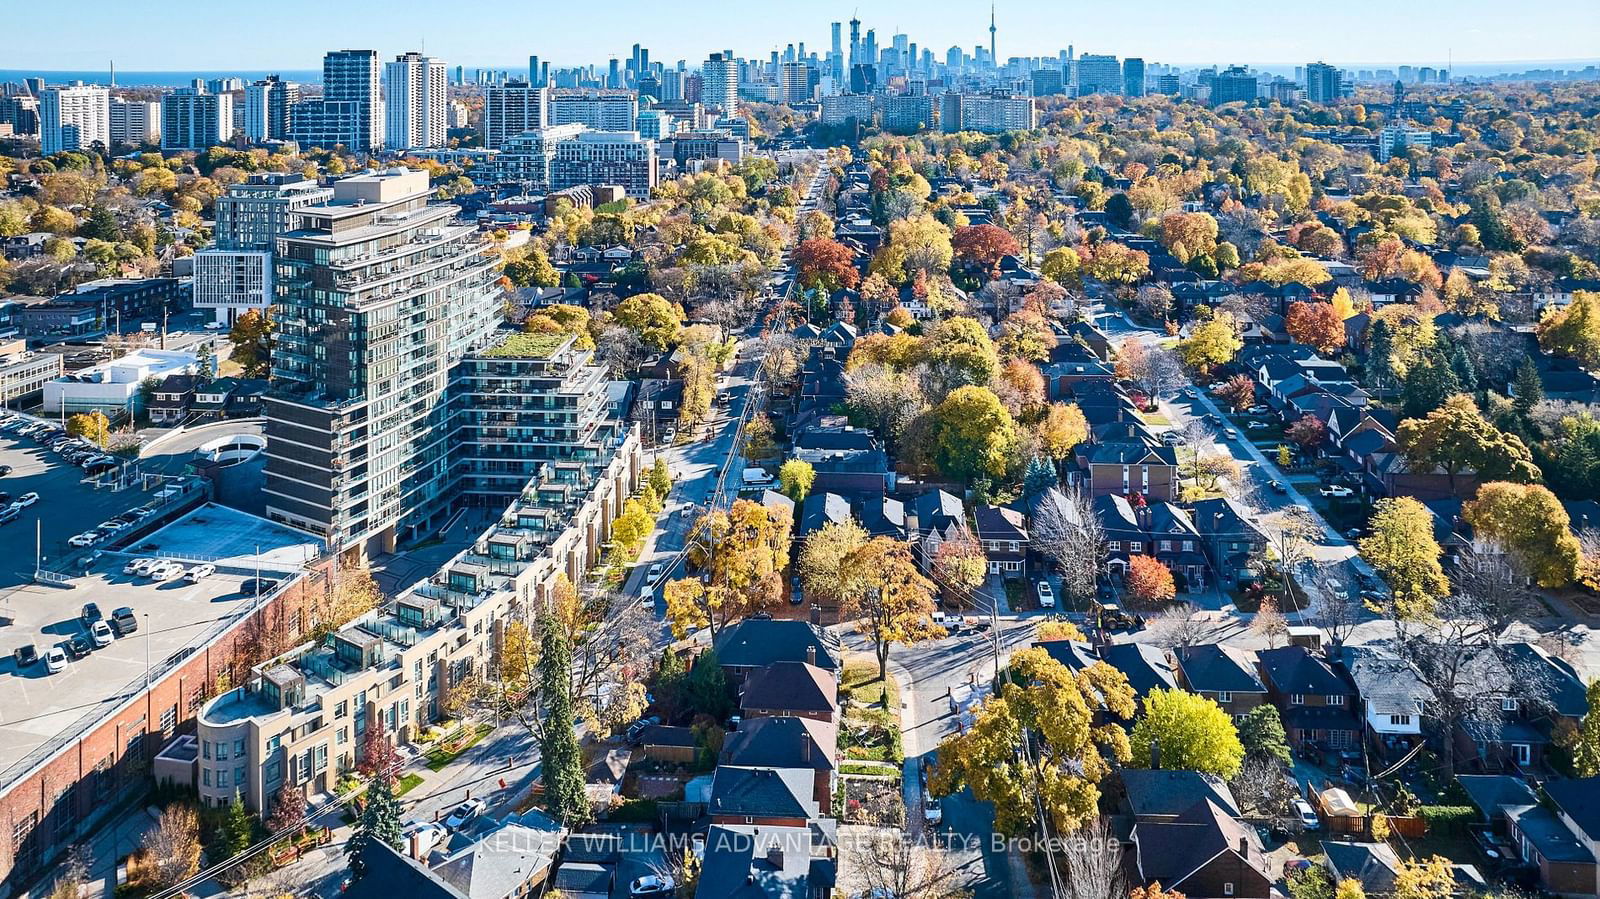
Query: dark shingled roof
[[782, 741], [1579, 797], [1212, 668], [1171, 793], [758, 642], [790, 685], [1293, 669], [762, 792]]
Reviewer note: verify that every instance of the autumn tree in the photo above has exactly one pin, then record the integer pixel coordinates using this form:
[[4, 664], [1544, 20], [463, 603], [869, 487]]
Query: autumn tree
[[959, 353], [1036, 744], [795, 478], [1530, 523], [348, 594], [827, 264], [1062, 430], [1316, 324], [889, 599], [1021, 388], [288, 810], [379, 822], [917, 244], [173, 845], [972, 434], [1456, 437], [652, 317], [378, 757], [960, 566], [1573, 330], [1190, 732], [1210, 343], [1149, 582], [823, 555], [1308, 432], [1431, 878], [91, 426], [1026, 334], [1116, 263], [1062, 265], [1239, 392], [1403, 550], [983, 246], [743, 552], [251, 337]]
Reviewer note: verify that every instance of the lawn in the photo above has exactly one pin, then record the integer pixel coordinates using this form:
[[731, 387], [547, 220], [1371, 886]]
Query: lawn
[[455, 744], [860, 682], [408, 783]]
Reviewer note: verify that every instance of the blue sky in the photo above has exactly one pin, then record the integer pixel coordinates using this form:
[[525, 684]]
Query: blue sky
[[292, 34]]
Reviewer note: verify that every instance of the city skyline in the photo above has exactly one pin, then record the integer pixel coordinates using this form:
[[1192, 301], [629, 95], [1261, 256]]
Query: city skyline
[[1475, 31]]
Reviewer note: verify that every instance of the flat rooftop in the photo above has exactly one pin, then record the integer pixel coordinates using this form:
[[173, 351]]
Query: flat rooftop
[[229, 537], [38, 709]]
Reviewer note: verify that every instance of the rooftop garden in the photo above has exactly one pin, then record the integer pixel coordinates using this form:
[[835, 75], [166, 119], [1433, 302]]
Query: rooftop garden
[[528, 346]]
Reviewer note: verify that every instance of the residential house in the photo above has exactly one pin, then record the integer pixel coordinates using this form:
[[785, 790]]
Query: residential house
[[1125, 535], [788, 742], [1575, 804], [1376, 865], [1203, 853], [749, 862], [793, 689], [931, 519], [511, 860], [1176, 544], [1128, 468], [1165, 794], [1230, 539], [1003, 533], [1390, 694], [169, 402], [1146, 667], [755, 643], [1314, 700], [583, 880], [1224, 674], [765, 797], [1534, 691]]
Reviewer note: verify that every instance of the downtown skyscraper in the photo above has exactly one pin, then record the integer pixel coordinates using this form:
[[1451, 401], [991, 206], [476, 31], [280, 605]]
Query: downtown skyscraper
[[416, 113]]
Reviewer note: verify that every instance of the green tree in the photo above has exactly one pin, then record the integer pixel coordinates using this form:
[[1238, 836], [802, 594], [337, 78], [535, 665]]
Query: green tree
[[1052, 712], [1586, 754], [1402, 548], [1528, 387], [661, 477], [379, 823], [795, 478], [1191, 732], [973, 434], [238, 828], [1380, 354], [561, 767], [1574, 330], [1427, 385], [823, 556], [960, 353], [532, 269], [1261, 734]]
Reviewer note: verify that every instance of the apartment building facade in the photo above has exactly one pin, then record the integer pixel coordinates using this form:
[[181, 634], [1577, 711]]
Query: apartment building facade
[[265, 111], [416, 114], [378, 295], [349, 111], [236, 274], [513, 108], [74, 117], [526, 158], [135, 122], [606, 157], [601, 110], [195, 120]]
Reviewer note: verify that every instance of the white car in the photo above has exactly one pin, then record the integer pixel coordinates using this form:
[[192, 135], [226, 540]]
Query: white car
[[428, 835], [1336, 590], [199, 573], [27, 499], [55, 659], [463, 813], [213, 326], [87, 538], [932, 811], [652, 885], [166, 571], [1257, 425], [143, 567], [1337, 490], [1047, 596], [100, 633], [133, 566], [1308, 818]]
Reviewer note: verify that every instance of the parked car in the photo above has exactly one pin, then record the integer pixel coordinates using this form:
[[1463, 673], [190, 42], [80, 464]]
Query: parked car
[[1047, 595], [1337, 491], [1277, 486], [1258, 409], [636, 729], [90, 613], [654, 574], [26, 655], [427, 835], [123, 620], [165, 571], [1308, 818], [1213, 418], [255, 585], [100, 633], [1336, 590], [55, 659], [27, 499], [199, 573], [932, 811], [4, 470], [1256, 425], [652, 885], [85, 539], [462, 814], [1230, 433], [9, 514], [1172, 438], [76, 646], [133, 565]]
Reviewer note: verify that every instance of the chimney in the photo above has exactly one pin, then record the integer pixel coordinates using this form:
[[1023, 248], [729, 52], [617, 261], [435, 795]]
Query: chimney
[[1244, 846], [811, 655], [775, 856]]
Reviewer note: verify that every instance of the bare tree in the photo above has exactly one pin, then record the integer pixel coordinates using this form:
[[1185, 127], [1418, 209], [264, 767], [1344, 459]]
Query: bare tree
[[890, 864], [1092, 863], [1066, 530], [173, 846], [1336, 615], [1290, 535], [1269, 623], [1262, 788], [1179, 627]]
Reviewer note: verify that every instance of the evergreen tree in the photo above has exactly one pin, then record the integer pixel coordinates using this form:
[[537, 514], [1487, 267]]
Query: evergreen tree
[[380, 822], [1039, 477], [563, 763], [237, 828], [1380, 354], [707, 687], [101, 225], [1461, 365], [1261, 732], [1528, 388], [1428, 384], [205, 361]]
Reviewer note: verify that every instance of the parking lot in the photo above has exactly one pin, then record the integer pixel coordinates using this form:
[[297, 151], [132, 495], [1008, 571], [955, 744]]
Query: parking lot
[[66, 507], [35, 705]]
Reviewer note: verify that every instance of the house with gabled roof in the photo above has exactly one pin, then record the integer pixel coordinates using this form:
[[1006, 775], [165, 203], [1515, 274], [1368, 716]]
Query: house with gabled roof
[[790, 689], [1390, 695], [1127, 468], [788, 741], [1314, 701], [1165, 794], [1229, 537], [1203, 853], [780, 797], [1224, 674], [1003, 533], [755, 643]]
